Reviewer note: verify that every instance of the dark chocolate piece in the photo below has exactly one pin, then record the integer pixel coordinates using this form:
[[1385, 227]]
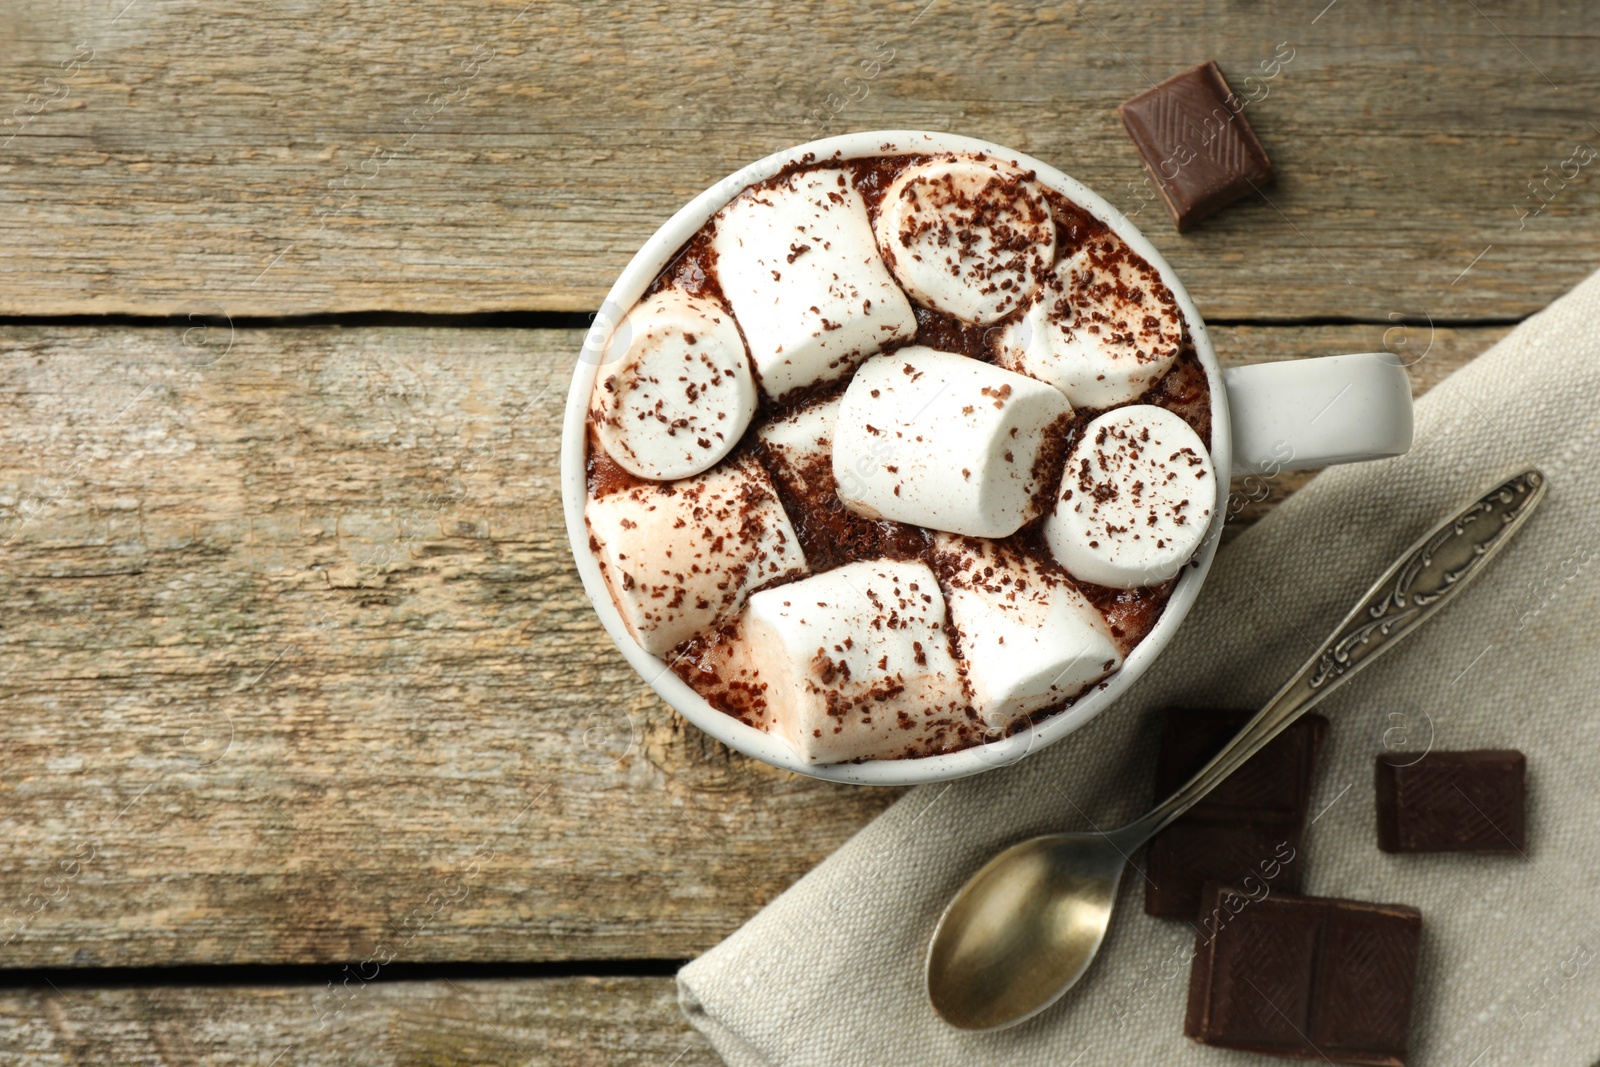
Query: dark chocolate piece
[[1195, 141], [1304, 977], [1453, 802], [1249, 826]]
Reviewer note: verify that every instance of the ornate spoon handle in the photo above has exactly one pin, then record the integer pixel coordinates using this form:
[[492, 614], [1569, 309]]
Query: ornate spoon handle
[[1426, 577]]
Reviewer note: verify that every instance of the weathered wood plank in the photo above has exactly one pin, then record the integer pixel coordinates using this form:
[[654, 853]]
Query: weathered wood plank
[[298, 157], [574, 1022], [294, 665]]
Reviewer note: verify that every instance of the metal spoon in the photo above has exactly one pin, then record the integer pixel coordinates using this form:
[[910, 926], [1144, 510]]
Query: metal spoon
[[1025, 928]]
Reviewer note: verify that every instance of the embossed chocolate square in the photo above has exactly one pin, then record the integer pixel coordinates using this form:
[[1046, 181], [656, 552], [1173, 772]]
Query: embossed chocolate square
[[1196, 143], [1249, 827], [1453, 801], [1304, 977]]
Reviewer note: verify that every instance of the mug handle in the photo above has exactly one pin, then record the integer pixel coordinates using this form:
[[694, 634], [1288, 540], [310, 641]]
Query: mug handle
[[1301, 413]]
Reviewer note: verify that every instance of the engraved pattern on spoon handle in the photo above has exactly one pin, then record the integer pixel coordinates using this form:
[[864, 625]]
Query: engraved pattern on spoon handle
[[1430, 573]]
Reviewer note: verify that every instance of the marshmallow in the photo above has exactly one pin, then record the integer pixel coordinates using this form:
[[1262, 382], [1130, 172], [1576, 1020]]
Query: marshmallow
[[1103, 329], [675, 391], [797, 261], [972, 238], [944, 441], [1135, 499], [856, 661], [801, 442], [1028, 638], [680, 556]]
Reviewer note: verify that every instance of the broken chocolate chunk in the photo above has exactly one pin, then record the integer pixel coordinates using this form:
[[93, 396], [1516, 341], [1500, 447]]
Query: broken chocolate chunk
[[1304, 977], [1248, 827], [1453, 802], [1196, 143]]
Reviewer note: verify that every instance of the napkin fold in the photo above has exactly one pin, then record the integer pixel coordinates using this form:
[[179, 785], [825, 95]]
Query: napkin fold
[[831, 971]]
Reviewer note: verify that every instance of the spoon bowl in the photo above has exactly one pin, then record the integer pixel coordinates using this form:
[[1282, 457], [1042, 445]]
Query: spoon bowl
[[1023, 930]]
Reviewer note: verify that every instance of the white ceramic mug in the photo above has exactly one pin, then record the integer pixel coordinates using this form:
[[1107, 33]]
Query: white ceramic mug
[[1265, 418]]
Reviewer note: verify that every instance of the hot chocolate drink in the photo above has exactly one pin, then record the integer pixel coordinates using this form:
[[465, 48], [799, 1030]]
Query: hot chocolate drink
[[898, 456]]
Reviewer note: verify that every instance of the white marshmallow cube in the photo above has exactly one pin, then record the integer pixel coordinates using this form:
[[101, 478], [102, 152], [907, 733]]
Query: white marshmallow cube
[[1028, 638], [674, 392], [856, 661], [943, 441], [1103, 329], [798, 263], [1135, 500], [680, 556], [801, 445], [970, 237]]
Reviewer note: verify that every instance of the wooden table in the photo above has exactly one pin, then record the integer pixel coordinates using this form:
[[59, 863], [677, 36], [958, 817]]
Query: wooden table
[[312, 749]]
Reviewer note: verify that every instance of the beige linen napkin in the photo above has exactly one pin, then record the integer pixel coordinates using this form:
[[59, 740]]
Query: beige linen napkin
[[831, 972]]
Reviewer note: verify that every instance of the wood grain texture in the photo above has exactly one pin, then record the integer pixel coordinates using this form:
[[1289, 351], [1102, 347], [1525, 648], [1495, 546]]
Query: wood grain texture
[[295, 157], [295, 667], [575, 1022]]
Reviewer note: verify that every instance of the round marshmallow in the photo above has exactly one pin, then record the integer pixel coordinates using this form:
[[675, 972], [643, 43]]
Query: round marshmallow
[[969, 237], [678, 558], [675, 391], [801, 445], [798, 263], [855, 662], [945, 441], [1135, 500], [1102, 329], [1028, 637]]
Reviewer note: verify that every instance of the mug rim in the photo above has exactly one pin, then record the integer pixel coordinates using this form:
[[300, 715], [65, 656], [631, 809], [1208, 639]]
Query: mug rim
[[656, 253]]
